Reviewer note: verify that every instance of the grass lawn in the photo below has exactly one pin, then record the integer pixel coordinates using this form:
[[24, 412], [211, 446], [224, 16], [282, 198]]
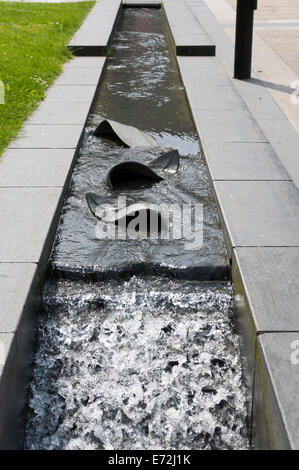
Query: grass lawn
[[33, 40]]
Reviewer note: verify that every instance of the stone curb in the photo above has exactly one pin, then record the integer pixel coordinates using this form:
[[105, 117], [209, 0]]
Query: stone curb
[[35, 171], [245, 152], [189, 37]]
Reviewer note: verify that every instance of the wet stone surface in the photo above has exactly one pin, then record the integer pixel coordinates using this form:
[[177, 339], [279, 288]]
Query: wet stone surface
[[141, 87], [131, 366]]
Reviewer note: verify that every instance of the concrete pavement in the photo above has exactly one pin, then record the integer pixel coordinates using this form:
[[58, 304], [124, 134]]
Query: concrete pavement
[[275, 60]]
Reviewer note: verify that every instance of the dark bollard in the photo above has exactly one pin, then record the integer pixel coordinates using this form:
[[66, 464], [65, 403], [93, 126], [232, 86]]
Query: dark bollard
[[243, 44]]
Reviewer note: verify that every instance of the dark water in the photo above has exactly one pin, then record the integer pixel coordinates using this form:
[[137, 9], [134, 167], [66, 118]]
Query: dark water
[[145, 362], [141, 87]]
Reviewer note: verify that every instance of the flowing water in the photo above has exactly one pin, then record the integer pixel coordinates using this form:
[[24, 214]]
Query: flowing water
[[142, 87], [144, 355]]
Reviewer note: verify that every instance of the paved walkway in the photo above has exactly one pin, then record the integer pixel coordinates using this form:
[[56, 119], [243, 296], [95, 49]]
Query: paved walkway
[[276, 47]]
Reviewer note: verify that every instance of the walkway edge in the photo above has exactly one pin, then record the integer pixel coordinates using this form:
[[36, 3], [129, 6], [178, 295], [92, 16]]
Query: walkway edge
[[94, 36]]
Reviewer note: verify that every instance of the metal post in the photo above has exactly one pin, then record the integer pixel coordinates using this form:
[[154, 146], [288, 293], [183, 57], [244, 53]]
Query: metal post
[[243, 44]]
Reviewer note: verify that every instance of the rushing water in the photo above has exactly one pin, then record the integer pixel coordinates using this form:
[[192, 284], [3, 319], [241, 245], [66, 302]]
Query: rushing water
[[141, 86], [143, 360]]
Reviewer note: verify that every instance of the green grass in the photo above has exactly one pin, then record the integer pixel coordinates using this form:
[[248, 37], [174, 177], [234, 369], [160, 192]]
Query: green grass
[[33, 40]]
